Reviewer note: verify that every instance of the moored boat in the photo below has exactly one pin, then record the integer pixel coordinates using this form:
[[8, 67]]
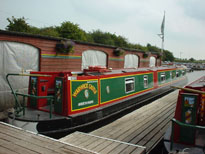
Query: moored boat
[[65, 101], [187, 133]]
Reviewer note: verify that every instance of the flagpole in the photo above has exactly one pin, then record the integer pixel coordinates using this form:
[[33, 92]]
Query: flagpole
[[162, 34]]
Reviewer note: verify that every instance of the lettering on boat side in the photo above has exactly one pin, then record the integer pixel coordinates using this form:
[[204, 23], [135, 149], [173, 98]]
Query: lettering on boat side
[[84, 86], [85, 103]]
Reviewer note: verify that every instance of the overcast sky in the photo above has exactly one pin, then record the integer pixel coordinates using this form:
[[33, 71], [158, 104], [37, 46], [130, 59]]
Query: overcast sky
[[137, 20]]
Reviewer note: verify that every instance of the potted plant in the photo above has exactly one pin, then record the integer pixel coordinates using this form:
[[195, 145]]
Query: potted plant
[[65, 47], [118, 52], [145, 54]]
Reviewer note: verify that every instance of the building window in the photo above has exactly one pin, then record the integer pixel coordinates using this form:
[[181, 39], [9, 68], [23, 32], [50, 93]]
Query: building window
[[162, 77], [145, 81], [131, 61], [129, 85], [152, 61], [93, 58]]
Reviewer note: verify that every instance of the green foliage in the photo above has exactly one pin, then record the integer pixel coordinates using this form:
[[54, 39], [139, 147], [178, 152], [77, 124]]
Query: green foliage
[[192, 59], [102, 38], [71, 31], [153, 48], [167, 56], [49, 31], [17, 24]]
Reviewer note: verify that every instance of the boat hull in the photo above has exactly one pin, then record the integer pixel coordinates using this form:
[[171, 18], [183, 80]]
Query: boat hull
[[65, 124]]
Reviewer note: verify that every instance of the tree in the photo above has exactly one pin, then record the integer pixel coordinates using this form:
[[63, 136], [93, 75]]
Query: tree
[[49, 31], [167, 56], [153, 48], [102, 37], [192, 59], [17, 24], [71, 31]]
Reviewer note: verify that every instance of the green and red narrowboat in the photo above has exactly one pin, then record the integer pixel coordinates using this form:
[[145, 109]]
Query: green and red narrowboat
[[64, 101], [187, 133]]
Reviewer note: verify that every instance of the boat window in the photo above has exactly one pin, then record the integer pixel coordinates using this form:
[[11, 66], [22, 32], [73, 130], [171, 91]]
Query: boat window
[[177, 74], [162, 77], [129, 85], [145, 81]]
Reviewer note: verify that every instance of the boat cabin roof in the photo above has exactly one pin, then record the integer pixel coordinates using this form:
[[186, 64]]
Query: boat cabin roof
[[125, 70]]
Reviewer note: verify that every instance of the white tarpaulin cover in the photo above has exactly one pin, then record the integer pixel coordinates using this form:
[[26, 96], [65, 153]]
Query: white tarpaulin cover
[[152, 62], [93, 58], [131, 61], [13, 58]]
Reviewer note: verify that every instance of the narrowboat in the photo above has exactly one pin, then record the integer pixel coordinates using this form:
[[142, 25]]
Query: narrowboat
[[187, 132], [64, 101]]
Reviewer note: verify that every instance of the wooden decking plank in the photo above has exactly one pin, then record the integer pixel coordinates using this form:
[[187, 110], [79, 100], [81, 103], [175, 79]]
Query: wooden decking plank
[[70, 149], [133, 150], [156, 129], [29, 138], [125, 121], [6, 142], [95, 144], [117, 132], [129, 135], [120, 148], [4, 150], [102, 146], [32, 143], [146, 130], [109, 148], [89, 142], [24, 135], [81, 139], [157, 137]]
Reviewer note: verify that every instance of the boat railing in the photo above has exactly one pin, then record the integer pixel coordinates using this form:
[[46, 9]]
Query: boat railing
[[174, 121], [20, 107]]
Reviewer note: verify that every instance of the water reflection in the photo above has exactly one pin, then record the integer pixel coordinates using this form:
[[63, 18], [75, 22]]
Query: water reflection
[[195, 75]]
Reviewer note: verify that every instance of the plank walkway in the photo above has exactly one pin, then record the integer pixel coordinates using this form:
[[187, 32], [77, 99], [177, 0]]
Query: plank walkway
[[15, 140], [144, 127]]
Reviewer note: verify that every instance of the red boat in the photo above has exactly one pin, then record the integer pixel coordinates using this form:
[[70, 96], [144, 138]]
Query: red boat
[[187, 133], [65, 101]]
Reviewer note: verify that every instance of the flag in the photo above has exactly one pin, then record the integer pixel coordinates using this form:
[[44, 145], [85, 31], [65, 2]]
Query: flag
[[162, 26]]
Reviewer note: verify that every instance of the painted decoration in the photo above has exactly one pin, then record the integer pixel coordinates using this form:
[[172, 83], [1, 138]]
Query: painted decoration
[[84, 94]]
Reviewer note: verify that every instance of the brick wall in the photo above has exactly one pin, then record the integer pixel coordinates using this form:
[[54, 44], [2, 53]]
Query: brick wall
[[50, 61]]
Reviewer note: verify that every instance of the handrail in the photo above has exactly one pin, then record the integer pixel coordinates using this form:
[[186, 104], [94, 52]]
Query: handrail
[[184, 125], [18, 105], [189, 89]]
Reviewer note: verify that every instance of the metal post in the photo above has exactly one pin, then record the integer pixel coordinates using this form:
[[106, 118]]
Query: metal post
[[23, 105], [50, 103], [172, 136]]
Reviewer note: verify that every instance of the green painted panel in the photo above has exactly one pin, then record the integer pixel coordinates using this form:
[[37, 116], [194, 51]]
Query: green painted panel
[[84, 94], [115, 88]]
